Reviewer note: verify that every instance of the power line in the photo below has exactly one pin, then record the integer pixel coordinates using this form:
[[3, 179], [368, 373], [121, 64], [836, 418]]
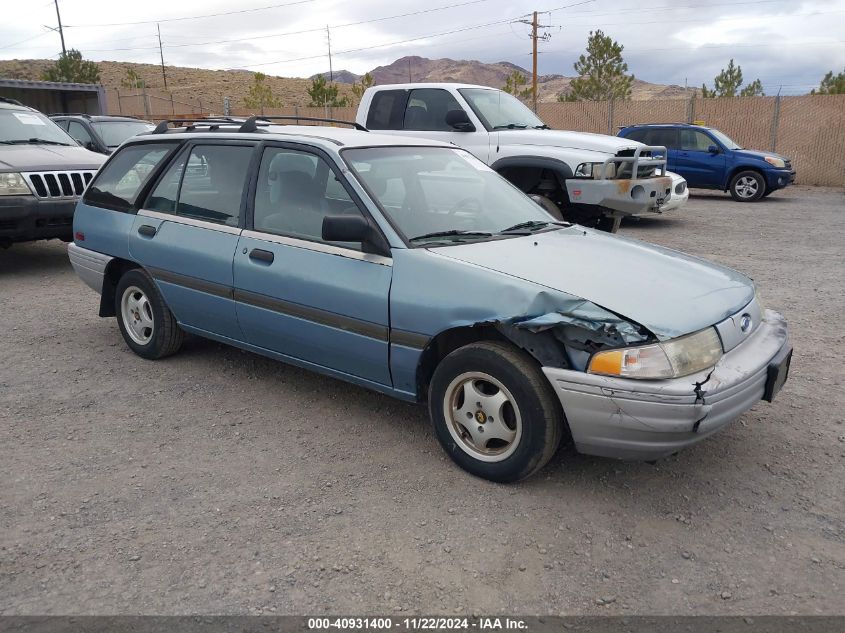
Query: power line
[[192, 17]]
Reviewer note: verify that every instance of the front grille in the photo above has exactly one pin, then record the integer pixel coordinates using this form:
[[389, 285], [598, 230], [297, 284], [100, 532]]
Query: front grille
[[58, 184]]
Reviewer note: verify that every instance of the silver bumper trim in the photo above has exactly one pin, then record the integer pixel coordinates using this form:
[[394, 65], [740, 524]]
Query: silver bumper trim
[[650, 419], [89, 265]]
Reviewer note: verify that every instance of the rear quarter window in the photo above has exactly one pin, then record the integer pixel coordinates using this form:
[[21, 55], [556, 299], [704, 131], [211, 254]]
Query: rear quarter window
[[118, 185]]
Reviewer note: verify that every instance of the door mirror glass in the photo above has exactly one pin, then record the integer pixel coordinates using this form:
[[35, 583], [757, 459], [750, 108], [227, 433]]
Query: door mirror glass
[[345, 228], [459, 120]]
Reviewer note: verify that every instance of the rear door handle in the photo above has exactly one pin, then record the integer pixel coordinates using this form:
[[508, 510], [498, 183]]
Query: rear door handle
[[261, 255], [147, 231]]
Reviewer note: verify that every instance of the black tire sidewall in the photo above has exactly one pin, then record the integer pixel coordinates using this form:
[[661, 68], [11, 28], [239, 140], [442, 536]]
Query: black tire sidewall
[[761, 186], [532, 444], [153, 349]]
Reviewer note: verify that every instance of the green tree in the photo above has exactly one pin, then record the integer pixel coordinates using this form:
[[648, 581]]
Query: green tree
[[602, 73], [361, 86], [514, 85], [132, 80], [727, 84], [71, 68], [831, 85], [260, 94], [323, 93]]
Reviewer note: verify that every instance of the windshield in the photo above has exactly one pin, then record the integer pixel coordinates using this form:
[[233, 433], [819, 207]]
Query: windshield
[[724, 139], [114, 133], [26, 126], [500, 111], [435, 194]]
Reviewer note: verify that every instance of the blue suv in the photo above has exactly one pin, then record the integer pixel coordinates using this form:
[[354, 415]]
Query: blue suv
[[709, 159]]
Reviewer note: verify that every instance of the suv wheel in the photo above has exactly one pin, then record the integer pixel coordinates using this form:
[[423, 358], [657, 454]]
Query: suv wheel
[[146, 323], [494, 411], [747, 186]]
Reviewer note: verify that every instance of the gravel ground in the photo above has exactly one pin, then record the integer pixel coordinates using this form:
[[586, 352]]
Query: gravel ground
[[218, 481]]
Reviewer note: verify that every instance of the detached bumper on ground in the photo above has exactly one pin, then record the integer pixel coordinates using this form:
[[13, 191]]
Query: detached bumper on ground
[[651, 419], [25, 218]]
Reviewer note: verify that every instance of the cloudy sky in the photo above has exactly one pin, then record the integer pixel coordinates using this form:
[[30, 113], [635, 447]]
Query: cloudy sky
[[788, 44]]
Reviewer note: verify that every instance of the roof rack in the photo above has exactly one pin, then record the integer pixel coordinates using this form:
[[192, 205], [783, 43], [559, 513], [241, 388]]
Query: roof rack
[[10, 100], [212, 123], [85, 115], [251, 124]]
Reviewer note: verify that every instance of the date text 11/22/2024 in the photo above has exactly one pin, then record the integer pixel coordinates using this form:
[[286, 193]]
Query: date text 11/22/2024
[[418, 623]]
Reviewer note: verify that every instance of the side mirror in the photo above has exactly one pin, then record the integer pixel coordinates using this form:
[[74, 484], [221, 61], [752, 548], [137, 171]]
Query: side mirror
[[459, 120], [713, 149], [346, 228], [91, 145]]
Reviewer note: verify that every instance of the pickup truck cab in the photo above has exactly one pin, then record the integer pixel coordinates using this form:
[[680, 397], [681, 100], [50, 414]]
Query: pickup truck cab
[[592, 179], [409, 267], [710, 159]]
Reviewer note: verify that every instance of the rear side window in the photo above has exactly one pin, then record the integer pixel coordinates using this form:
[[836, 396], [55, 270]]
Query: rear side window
[[387, 110], [637, 135], [210, 188], [119, 183], [667, 137]]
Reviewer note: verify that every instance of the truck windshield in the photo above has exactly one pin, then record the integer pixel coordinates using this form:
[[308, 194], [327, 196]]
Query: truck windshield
[[724, 139], [28, 127], [500, 111], [440, 195], [114, 133]]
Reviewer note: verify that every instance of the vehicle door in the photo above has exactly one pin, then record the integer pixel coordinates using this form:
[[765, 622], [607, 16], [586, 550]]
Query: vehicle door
[[187, 231], [323, 303], [422, 112], [696, 163]]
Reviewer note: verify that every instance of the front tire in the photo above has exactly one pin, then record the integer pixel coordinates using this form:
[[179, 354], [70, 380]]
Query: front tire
[[747, 186], [494, 411], [146, 323]]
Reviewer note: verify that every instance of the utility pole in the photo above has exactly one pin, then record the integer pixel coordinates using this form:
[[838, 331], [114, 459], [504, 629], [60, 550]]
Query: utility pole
[[534, 37], [161, 54], [61, 33], [409, 69], [329, 40]]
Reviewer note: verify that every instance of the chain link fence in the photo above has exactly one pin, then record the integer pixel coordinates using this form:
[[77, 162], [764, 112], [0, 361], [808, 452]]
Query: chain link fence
[[809, 129]]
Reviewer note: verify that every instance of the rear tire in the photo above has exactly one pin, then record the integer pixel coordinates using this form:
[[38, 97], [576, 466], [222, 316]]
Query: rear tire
[[146, 323], [494, 411], [747, 186]]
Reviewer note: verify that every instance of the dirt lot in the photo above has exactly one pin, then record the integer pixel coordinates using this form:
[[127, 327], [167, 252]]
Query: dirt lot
[[219, 481]]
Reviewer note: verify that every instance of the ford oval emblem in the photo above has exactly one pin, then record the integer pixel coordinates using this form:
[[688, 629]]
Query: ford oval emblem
[[745, 323]]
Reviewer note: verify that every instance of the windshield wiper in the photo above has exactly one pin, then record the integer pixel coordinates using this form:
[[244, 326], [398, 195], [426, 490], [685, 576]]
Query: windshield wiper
[[511, 126], [35, 141], [528, 227], [450, 233], [542, 127]]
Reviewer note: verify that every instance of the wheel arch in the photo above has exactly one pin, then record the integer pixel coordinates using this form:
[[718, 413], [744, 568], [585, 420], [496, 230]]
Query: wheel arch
[[536, 164], [115, 269]]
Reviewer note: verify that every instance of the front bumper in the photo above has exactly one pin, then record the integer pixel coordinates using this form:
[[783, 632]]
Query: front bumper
[[651, 419], [27, 218], [623, 196], [779, 178]]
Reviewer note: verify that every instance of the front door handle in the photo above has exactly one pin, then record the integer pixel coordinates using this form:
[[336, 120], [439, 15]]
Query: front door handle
[[147, 231], [261, 255]]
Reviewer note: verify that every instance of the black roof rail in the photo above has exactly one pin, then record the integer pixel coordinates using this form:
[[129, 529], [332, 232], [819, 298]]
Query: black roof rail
[[10, 100], [85, 115], [212, 122], [251, 124]]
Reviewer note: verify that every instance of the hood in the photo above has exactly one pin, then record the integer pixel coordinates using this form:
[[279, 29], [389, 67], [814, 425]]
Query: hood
[[755, 153], [562, 138], [48, 158], [668, 292]]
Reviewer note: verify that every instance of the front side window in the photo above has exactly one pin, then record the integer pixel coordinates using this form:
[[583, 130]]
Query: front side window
[[500, 111], [79, 133], [295, 191], [118, 184], [433, 190], [695, 141], [427, 108], [210, 188]]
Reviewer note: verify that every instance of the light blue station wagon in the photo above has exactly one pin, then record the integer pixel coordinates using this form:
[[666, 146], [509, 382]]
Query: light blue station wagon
[[409, 267]]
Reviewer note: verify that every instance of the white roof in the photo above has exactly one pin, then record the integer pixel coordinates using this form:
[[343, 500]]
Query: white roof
[[411, 86]]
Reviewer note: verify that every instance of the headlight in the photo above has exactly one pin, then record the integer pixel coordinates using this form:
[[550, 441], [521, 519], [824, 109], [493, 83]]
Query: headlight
[[593, 170], [13, 185], [672, 359], [775, 162]]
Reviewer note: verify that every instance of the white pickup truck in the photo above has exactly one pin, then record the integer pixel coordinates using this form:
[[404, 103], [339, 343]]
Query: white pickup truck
[[592, 179]]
